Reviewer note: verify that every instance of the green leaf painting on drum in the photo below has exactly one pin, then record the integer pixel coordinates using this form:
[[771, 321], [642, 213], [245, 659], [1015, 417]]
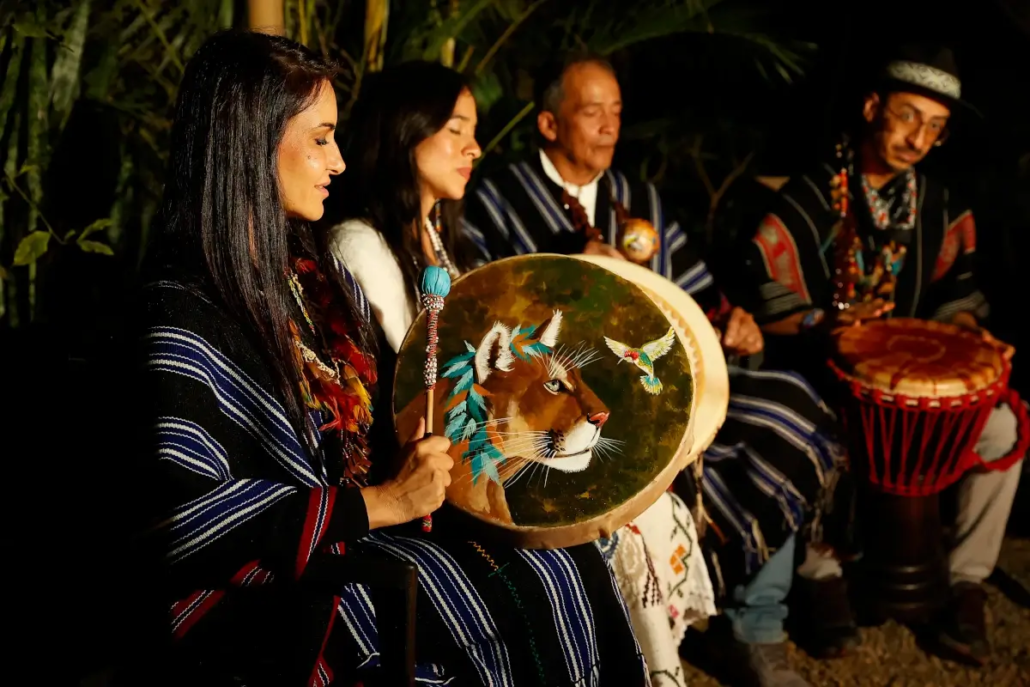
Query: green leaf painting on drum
[[548, 428]]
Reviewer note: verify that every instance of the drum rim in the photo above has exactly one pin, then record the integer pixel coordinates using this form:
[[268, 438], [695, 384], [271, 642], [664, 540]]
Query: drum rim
[[889, 397]]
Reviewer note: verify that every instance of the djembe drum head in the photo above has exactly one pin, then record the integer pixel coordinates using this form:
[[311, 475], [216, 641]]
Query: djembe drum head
[[919, 359], [566, 393]]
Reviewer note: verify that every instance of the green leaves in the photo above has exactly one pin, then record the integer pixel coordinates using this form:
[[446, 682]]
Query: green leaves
[[35, 245], [487, 90], [608, 29], [432, 39], [28, 27], [99, 225], [31, 248], [95, 246]]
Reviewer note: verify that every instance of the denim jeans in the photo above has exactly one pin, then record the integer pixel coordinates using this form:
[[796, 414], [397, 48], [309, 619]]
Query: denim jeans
[[760, 609]]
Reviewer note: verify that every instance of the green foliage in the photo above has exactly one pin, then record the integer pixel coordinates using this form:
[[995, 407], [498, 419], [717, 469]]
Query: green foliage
[[124, 59], [31, 248]]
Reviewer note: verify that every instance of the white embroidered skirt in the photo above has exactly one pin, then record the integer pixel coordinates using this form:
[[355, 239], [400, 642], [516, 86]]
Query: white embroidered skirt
[[659, 567]]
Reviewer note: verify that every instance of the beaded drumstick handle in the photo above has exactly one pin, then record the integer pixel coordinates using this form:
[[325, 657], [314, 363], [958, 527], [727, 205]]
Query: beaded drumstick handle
[[435, 286]]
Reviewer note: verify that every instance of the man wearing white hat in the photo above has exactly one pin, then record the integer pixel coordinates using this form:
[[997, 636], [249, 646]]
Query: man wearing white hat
[[929, 238]]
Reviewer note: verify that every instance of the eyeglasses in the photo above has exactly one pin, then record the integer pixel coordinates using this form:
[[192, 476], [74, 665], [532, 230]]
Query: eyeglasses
[[912, 120]]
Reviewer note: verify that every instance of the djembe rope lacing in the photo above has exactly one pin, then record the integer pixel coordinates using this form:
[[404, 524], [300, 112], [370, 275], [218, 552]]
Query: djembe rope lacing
[[954, 423]]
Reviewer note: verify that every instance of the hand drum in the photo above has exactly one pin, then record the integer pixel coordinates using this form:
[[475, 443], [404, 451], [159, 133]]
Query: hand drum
[[567, 393]]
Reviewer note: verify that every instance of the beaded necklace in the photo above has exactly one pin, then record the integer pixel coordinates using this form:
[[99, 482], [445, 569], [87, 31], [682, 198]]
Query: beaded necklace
[[438, 248]]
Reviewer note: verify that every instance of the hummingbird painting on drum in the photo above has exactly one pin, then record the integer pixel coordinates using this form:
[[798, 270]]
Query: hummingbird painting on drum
[[645, 357]]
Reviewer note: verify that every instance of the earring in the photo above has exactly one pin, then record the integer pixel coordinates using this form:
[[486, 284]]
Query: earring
[[436, 217]]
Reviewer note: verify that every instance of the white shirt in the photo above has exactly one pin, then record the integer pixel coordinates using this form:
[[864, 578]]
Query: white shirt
[[365, 253], [585, 194]]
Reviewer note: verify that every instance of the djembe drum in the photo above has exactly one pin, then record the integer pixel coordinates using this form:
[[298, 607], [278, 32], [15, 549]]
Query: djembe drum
[[570, 395], [920, 394]]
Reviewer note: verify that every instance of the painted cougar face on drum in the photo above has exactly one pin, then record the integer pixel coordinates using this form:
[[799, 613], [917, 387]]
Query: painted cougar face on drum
[[538, 396], [517, 405]]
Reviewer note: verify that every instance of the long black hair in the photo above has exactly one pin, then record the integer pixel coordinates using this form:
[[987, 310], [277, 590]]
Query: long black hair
[[223, 227], [399, 108]]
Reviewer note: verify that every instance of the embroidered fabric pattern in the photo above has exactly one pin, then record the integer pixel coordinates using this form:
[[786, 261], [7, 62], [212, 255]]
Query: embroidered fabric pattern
[[890, 209], [337, 390], [926, 76]]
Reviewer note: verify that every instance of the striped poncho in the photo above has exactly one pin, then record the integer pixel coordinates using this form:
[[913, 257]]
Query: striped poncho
[[245, 509]]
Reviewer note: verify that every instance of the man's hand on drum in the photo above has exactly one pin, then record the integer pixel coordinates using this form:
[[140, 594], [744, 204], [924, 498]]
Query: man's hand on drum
[[599, 248], [968, 321], [419, 486], [860, 312], [742, 335]]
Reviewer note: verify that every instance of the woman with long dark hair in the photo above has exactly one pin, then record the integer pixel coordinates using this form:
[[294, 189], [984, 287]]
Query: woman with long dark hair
[[412, 144], [259, 371], [412, 147]]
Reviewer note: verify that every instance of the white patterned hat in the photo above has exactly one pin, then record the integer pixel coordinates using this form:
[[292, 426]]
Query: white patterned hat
[[925, 70]]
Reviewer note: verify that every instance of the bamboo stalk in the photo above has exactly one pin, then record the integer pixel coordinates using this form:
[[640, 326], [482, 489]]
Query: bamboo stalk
[[37, 131], [11, 159], [10, 86], [225, 14], [377, 18], [302, 21], [12, 304], [289, 19], [64, 80], [449, 46], [159, 32], [266, 16], [10, 168], [32, 291], [7, 93], [114, 232]]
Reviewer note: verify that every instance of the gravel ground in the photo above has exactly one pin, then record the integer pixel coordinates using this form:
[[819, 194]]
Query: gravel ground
[[890, 655]]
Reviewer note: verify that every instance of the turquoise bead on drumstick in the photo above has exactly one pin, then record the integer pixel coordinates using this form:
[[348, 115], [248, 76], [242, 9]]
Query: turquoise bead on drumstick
[[435, 286]]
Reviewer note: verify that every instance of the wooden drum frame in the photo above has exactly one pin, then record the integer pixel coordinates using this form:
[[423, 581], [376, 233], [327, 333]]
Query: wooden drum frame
[[520, 300]]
